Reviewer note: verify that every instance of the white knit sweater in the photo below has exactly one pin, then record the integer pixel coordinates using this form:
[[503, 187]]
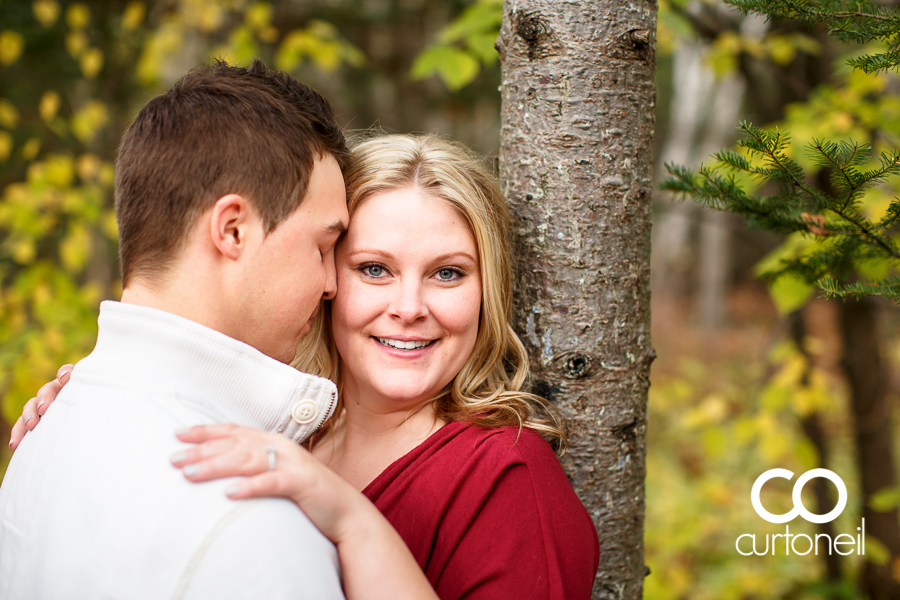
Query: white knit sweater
[[91, 507]]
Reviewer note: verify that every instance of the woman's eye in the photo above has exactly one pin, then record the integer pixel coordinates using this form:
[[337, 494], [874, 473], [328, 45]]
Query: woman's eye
[[374, 270], [448, 274]]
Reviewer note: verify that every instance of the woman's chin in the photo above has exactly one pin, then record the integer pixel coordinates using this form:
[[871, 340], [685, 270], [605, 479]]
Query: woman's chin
[[407, 396]]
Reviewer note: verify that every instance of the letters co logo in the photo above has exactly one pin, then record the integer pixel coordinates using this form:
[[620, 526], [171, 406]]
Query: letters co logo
[[799, 509], [801, 544]]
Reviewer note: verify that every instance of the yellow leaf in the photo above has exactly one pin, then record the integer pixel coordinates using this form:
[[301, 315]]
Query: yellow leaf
[[842, 121], [49, 105], [76, 42], [753, 47], [774, 446], [205, 16], [46, 12], [87, 121], [88, 167], [24, 251], [6, 144], [78, 16], [110, 226], [60, 171], [163, 44], [31, 148], [91, 62], [268, 34], [75, 248], [54, 339], [258, 16], [326, 56], [781, 50], [107, 174], [11, 45], [9, 116], [133, 16]]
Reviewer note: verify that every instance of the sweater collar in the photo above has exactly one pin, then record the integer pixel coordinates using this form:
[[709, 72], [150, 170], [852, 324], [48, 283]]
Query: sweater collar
[[147, 349]]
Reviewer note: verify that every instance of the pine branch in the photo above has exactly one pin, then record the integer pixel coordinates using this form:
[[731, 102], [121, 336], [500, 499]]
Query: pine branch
[[889, 288], [872, 63]]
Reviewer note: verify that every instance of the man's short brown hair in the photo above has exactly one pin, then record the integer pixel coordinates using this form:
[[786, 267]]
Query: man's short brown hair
[[220, 130]]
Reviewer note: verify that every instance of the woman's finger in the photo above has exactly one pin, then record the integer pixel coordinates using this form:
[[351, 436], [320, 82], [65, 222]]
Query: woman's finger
[[18, 432], [240, 461], [30, 414], [202, 433], [204, 451], [65, 371], [264, 485], [46, 396]]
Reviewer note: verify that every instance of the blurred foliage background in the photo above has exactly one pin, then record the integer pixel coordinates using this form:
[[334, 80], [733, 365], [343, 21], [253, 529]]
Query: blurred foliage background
[[751, 374]]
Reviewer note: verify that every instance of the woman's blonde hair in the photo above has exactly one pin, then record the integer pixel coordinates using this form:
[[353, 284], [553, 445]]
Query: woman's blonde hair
[[487, 390]]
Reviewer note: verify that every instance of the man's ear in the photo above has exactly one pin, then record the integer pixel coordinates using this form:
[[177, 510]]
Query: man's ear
[[231, 222]]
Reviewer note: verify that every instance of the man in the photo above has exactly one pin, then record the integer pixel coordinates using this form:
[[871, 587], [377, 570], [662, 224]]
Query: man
[[229, 199]]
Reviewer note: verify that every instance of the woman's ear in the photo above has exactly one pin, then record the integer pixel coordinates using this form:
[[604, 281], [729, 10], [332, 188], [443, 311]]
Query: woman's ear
[[230, 225]]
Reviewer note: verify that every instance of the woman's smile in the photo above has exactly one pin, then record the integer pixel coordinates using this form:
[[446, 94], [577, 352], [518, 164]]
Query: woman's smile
[[404, 345]]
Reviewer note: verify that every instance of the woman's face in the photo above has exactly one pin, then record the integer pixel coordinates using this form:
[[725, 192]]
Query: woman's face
[[406, 313]]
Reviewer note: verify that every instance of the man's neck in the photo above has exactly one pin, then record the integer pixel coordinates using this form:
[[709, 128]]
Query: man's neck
[[172, 296]]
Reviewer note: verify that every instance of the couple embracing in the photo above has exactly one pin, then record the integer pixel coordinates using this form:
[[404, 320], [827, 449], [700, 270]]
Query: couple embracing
[[396, 456]]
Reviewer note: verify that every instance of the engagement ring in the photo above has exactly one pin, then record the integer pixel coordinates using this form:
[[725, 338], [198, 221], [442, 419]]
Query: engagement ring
[[273, 456]]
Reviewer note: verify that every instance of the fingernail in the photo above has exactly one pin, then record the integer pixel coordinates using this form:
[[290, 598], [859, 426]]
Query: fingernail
[[178, 457], [191, 470], [233, 489], [28, 419], [41, 403], [183, 430]]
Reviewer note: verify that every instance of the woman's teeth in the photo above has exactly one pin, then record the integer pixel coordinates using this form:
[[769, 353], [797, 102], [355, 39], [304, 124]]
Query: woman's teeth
[[401, 345]]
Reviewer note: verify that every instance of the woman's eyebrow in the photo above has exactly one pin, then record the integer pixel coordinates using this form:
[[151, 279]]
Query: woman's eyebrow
[[455, 256], [383, 253], [450, 256]]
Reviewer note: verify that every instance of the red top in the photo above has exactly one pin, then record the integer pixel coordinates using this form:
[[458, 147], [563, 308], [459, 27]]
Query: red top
[[487, 515]]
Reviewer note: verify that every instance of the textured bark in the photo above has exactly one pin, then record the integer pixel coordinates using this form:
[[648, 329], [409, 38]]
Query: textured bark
[[874, 448], [578, 95]]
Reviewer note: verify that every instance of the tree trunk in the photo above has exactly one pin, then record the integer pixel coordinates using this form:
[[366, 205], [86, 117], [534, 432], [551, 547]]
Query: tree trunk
[[874, 448], [576, 162]]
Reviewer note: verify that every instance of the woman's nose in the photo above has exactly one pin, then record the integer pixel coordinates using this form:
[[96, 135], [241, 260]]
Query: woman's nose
[[409, 302]]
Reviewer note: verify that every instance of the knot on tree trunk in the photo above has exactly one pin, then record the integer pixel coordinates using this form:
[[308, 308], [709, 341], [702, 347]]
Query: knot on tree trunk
[[635, 44], [574, 365], [535, 32]]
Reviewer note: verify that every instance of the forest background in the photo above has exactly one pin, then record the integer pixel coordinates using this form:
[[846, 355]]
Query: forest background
[[750, 375]]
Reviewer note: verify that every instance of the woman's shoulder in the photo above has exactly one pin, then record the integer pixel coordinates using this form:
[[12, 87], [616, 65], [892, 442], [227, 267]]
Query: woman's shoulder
[[507, 444]]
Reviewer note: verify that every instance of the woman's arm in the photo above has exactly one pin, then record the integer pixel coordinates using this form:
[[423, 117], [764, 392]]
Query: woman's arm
[[36, 407], [375, 562]]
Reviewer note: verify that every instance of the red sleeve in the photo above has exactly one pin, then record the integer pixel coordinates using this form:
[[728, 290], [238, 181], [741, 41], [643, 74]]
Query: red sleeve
[[517, 529], [489, 514]]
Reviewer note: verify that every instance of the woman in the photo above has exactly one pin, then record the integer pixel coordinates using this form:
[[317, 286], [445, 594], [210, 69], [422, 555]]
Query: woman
[[433, 427]]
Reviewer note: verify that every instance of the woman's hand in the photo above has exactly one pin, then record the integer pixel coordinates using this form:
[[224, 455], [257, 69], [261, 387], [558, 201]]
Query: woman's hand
[[375, 562], [36, 407], [232, 450]]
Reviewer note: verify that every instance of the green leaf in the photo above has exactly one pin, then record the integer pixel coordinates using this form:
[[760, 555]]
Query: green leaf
[[456, 67], [876, 552], [885, 500], [482, 46], [789, 293], [482, 17]]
